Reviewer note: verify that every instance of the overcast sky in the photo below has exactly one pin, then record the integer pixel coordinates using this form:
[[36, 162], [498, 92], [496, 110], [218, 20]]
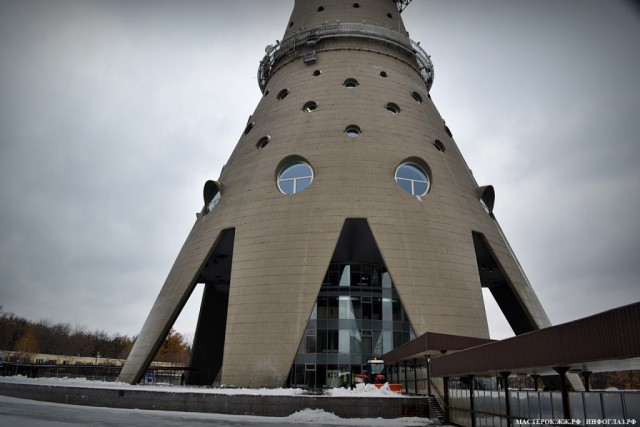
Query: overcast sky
[[113, 114]]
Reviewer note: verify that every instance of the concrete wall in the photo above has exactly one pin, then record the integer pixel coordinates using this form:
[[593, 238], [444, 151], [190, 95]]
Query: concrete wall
[[272, 406]]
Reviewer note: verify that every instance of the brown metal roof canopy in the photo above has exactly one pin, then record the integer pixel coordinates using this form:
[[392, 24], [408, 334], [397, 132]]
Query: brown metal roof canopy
[[608, 341], [432, 344]]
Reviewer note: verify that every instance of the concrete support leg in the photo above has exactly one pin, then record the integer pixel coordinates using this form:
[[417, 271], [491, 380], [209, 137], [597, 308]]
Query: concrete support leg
[[208, 343]]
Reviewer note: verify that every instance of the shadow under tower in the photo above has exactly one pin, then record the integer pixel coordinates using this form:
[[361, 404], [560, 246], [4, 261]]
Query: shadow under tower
[[345, 222]]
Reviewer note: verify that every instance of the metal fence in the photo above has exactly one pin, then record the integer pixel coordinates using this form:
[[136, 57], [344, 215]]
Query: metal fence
[[526, 407], [542, 407], [168, 374]]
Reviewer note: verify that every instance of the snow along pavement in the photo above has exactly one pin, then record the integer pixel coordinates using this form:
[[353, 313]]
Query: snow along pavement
[[304, 417], [360, 390]]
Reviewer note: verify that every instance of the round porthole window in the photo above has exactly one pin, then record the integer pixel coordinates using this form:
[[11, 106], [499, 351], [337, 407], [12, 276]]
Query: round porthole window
[[317, 73], [417, 97], [412, 179], [448, 131], [212, 194], [310, 106], [439, 145], [484, 206], [487, 198], [212, 204], [262, 142], [350, 83], [383, 74], [295, 177], [282, 94], [392, 108], [352, 131]]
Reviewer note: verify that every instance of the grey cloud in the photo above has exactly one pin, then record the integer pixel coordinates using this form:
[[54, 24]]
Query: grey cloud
[[113, 114]]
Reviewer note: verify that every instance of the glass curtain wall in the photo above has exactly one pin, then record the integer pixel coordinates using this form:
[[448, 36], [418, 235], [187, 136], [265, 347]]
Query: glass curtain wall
[[358, 315]]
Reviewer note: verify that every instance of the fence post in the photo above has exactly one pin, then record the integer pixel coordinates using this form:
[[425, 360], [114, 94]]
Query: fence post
[[507, 405], [406, 382], [428, 376], [562, 370], [415, 377], [587, 375], [445, 381], [397, 372], [471, 404]]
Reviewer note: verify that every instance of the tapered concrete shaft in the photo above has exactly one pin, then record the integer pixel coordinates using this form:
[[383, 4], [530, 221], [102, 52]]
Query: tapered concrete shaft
[[346, 93]]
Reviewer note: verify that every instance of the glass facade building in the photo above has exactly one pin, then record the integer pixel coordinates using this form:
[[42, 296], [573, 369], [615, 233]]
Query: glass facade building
[[358, 315]]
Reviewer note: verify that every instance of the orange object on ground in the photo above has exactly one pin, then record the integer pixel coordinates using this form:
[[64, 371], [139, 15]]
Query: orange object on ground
[[397, 388]]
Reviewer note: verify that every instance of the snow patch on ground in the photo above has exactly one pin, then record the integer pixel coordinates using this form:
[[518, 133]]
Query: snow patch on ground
[[327, 418], [83, 382], [314, 415]]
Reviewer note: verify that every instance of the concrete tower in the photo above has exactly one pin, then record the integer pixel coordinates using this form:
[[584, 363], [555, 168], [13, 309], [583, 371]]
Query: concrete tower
[[346, 220]]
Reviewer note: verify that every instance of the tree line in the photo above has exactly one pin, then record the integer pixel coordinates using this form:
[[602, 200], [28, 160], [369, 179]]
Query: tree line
[[24, 336]]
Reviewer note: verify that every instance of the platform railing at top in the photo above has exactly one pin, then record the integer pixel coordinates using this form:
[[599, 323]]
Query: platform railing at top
[[402, 4], [311, 36]]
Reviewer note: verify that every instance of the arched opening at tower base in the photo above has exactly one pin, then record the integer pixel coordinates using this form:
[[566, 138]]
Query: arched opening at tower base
[[357, 315], [493, 277], [208, 342]]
